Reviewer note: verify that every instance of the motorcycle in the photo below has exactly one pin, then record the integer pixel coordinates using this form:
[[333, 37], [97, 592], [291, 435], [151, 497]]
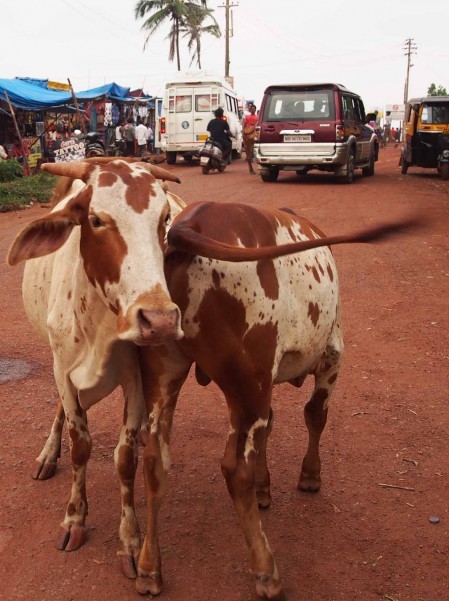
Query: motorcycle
[[211, 157], [94, 145]]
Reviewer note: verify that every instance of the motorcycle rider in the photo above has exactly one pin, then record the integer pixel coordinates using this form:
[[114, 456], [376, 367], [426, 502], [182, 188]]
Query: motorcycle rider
[[220, 132]]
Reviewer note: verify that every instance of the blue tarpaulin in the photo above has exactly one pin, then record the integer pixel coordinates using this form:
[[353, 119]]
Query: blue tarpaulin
[[32, 97], [112, 91]]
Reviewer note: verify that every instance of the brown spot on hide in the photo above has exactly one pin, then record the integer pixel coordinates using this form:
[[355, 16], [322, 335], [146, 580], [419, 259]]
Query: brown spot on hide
[[103, 253], [330, 272], [71, 509], [69, 295], [126, 464], [332, 378], [268, 278], [80, 448], [138, 181], [314, 312], [316, 274], [106, 178]]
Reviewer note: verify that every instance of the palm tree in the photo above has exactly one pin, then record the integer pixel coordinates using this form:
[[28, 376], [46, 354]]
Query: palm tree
[[193, 29], [157, 12]]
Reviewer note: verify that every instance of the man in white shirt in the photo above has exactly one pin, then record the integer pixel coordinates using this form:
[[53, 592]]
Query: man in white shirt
[[141, 137]]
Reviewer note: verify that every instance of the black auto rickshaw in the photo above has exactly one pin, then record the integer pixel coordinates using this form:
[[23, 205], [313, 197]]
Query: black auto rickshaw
[[426, 135]]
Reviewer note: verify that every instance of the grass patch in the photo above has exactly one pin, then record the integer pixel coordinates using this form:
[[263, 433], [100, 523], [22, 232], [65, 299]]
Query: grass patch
[[23, 191]]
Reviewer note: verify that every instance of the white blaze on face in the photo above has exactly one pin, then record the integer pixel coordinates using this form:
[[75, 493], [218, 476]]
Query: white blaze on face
[[249, 445]]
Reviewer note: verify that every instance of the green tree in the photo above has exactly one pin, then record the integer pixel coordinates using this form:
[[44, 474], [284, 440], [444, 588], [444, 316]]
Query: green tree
[[434, 91], [179, 13], [193, 29]]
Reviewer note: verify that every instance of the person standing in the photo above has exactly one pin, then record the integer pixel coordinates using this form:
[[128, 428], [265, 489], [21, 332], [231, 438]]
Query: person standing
[[141, 137], [150, 139], [249, 134], [220, 132], [129, 135]]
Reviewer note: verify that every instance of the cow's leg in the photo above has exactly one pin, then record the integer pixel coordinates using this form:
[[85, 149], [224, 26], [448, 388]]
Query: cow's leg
[[73, 530], [162, 378], [262, 473], [125, 457], [48, 457], [315, 413], [245, 441]]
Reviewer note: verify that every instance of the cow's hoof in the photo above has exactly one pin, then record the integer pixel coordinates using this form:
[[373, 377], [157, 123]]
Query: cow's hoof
[[263, 498], [44, 470], [72, 539], [149, 585], [309, 483], [128, 564], [269, 588]]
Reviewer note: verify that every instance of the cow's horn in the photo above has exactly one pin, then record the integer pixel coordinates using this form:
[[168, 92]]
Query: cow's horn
[[75, 170], [160, 173]]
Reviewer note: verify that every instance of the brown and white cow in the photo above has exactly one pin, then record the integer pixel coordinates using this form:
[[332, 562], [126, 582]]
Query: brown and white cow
[[250, 321], [252, 317], [94, 286]]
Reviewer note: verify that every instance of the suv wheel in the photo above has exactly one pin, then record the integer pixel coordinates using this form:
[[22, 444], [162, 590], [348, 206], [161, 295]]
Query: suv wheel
[[171, 158], [270, 176], [349, 177], [367, 171]]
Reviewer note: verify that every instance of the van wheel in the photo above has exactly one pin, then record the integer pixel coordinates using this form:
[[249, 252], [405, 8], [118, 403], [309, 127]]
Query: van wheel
[[188, 158], [367, 171], [404, 166], [444, 171], [270, 176], [171, 158], [205, 169], [349, 177]]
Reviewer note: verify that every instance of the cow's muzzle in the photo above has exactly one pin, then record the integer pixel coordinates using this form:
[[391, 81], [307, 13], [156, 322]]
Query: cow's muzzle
[[159, 326]]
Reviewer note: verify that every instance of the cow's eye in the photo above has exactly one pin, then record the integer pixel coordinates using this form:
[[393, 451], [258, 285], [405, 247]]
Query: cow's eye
[[95, 221]]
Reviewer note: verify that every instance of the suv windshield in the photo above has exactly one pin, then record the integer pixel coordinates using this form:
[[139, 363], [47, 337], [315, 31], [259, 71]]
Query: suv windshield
[[308, 105]]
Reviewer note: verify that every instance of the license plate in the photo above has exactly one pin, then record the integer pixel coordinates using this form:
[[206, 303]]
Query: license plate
[[202, 137], [204, 160], [298, 138]]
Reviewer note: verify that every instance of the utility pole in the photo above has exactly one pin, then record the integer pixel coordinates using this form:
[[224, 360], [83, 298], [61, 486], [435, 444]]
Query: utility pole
[[229, 32], [410, 48]]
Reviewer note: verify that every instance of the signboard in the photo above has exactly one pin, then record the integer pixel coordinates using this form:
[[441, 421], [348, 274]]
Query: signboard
[[394, 112], [56, 85], [66, 151], [34, 149]]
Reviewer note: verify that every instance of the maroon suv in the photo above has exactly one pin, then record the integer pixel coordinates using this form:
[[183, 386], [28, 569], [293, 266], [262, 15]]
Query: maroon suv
[[314, 126]]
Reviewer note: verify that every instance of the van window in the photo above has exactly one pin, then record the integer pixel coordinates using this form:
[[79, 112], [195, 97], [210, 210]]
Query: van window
[[203, 103], [183, 104], [311, 105]]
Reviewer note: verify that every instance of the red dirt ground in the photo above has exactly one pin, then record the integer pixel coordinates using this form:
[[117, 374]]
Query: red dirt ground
[[388, 424]]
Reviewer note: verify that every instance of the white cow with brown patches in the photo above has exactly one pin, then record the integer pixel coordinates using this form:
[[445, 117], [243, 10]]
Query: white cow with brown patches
[[252, 317], [94, 286]]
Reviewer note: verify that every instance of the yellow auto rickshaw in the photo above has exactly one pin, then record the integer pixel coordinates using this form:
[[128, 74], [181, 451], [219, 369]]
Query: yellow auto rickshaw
[[426, 135]]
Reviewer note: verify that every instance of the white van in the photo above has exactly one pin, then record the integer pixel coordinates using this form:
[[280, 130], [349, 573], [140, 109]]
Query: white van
[[189, 102]]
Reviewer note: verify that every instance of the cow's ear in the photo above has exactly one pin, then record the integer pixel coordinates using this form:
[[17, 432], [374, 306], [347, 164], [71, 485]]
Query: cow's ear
[[46, 235]]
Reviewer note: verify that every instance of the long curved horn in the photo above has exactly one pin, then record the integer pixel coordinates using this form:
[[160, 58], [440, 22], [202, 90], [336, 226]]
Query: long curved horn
[[161, 173], [183, 237], [75, 170]]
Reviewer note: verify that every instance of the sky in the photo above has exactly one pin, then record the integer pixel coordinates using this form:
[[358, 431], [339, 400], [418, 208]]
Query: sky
[[355, 43]]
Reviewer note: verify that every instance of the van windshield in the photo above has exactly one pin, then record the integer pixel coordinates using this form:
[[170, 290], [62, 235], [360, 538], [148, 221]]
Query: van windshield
[[310, 105]]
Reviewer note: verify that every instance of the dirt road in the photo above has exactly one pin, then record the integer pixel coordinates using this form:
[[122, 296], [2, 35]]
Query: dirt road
[[356, 540]]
